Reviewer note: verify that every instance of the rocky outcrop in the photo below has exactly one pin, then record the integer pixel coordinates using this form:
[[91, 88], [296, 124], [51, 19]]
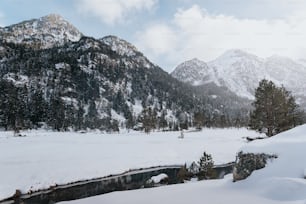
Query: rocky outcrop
[[246, 163]]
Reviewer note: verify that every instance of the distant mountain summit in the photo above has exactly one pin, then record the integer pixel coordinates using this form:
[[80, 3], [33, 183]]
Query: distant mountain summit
[[192, 71], [241, 72], [45, 32]]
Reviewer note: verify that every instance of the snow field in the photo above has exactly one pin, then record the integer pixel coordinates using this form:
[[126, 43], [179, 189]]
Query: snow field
[[42, 158], [281, 181]]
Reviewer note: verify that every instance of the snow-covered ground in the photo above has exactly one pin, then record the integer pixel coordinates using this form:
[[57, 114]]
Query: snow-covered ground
[[46, 158], [281, 181]]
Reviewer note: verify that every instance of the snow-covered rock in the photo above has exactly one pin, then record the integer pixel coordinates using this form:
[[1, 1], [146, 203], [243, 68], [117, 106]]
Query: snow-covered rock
[[160, 178]]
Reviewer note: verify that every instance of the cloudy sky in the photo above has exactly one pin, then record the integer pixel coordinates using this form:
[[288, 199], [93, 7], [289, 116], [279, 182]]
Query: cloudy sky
[[169, 32]]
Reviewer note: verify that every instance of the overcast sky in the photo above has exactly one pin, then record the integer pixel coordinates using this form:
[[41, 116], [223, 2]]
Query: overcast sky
[[169, 32]]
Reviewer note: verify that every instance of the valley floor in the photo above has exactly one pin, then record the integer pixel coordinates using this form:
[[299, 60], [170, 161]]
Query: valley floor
[[42, 158], [283, 180], [45, 158]]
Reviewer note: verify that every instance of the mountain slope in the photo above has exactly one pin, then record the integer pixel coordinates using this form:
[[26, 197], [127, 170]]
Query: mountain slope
[[241, 72]]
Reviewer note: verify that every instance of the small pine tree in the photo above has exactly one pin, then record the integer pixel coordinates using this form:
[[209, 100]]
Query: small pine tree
[[206, 164]]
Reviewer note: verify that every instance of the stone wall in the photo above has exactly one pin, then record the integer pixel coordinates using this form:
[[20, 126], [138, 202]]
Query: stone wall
[[134, 179], [130, 180], [222, 170]]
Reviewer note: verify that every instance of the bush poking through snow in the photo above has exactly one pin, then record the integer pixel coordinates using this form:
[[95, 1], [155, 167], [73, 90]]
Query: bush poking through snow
[[246, 163], [184, 174]]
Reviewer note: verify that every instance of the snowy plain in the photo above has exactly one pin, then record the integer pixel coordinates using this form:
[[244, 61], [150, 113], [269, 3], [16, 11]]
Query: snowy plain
[[283, 180], [42, 159]]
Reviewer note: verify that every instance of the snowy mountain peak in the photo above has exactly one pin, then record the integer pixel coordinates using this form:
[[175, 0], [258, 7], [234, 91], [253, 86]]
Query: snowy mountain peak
[[45, 32], [192, 71], [53, 18], [120, 46], [195, 63], [235, 54]]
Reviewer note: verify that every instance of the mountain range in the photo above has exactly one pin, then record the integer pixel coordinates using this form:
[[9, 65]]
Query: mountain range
[[240, 73], [52, 75]]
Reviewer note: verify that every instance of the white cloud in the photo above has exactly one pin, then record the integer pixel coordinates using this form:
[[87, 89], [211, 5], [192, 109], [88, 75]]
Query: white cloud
[[197, 33], [158, 39], [113, 11]]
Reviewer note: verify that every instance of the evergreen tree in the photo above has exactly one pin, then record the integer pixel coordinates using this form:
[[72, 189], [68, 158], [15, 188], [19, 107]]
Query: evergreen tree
[[7, 104], [275, 109], [183, 120], [199, 120], [130, 121], [162, 120], [148, 119], [206, 164], [38, 108], [91, 119], [80, 117], [56, 114]]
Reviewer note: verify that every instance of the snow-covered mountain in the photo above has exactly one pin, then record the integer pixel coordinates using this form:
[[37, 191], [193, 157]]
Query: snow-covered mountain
[[45, 32], [241, 72], [82, 82]]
